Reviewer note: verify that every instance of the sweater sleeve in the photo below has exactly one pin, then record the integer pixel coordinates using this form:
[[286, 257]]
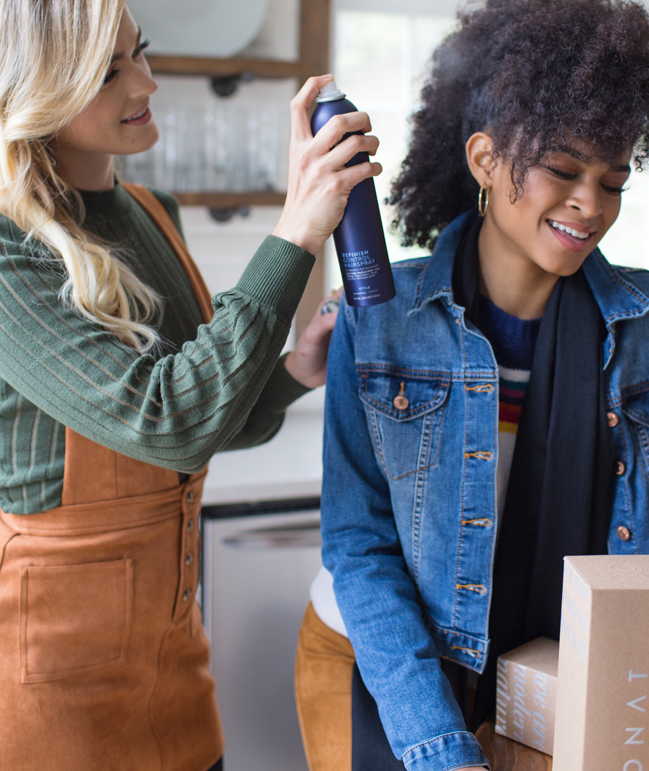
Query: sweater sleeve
[[267, 416], [173, 411], [281, 390]]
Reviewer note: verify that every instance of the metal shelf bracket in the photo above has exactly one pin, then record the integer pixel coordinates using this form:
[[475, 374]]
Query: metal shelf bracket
[[225, 86], [227, 213]]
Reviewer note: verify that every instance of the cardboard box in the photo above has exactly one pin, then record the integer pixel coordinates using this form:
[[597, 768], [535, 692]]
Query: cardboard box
[[526, 693], [602, 716]]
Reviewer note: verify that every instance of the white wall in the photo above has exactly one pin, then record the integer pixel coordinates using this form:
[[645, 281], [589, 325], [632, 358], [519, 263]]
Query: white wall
[[279, 35]]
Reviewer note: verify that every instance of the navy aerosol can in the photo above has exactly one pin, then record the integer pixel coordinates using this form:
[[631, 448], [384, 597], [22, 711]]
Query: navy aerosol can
[[359, 239]]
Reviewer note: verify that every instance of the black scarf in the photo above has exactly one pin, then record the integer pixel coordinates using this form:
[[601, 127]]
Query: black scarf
[[559, 495]]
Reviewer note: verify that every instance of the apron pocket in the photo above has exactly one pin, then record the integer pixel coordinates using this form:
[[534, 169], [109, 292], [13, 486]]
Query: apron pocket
[[73, 618]]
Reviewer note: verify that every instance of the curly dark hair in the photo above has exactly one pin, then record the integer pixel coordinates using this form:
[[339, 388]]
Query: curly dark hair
[[534, 74]]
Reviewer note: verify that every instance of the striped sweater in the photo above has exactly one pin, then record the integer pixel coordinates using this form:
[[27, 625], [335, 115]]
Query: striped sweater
[[513, 387], [513, 341], [211, 387]]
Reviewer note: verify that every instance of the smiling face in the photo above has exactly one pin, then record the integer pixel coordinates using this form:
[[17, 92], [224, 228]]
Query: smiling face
[[118, 120], [568, 203]]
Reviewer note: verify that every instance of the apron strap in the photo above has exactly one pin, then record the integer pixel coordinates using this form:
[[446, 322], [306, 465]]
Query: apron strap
[[93, 472]]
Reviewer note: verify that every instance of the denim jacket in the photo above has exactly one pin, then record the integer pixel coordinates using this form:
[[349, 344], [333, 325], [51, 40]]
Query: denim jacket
[[409, 510]]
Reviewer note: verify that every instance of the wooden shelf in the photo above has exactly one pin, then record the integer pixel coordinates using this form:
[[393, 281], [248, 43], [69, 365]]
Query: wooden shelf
[[217, 200], [197, 65]]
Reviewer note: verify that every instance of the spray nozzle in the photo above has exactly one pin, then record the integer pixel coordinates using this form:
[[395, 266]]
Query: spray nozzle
[[330, 93]]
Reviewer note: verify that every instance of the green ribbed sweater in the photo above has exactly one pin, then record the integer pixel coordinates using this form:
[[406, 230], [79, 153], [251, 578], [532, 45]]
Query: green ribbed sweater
[[211, 387]]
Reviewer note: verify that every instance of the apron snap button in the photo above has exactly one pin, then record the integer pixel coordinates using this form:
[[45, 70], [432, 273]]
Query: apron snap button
[[189, 559], [190, 497], [187, 594], [190, 525]]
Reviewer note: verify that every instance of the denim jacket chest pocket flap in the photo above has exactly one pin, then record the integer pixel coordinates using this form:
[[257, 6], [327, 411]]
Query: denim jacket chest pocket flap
[[404, 416]]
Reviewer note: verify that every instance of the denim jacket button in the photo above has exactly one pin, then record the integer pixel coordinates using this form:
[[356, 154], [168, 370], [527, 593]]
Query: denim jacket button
[[623, 533], [401, 401], [612, 419], [620, 468]]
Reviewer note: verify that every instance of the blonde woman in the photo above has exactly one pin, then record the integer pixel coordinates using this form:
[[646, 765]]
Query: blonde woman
[[119, 379]]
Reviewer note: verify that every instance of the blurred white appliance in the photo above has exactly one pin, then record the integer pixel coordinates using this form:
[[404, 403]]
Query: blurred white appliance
[[256, 576]]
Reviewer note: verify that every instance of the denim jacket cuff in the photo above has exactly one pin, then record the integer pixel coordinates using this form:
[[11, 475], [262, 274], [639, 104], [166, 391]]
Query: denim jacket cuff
[[445, 753]]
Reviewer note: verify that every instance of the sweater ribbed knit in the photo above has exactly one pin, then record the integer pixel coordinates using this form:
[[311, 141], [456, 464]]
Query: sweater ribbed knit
[[210, 387]]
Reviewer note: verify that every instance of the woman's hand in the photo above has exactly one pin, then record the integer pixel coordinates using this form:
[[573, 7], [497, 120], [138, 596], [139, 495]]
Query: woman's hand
[[308, 362], [319, 184]]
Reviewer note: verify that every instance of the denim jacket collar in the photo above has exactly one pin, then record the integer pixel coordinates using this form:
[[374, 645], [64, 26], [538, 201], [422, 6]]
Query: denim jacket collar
[[437, 278], [617, 297]]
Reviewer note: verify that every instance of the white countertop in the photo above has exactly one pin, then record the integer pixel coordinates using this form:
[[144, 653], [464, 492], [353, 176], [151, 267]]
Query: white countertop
[[289, 466]]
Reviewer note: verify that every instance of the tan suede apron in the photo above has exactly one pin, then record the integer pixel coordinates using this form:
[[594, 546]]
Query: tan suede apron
[[103, 659]]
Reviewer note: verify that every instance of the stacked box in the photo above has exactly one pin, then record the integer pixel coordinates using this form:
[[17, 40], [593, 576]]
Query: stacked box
[[526, 694], [602, 715]]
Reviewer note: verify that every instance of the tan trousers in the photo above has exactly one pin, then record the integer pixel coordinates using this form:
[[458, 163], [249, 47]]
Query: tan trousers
[[323, 692]]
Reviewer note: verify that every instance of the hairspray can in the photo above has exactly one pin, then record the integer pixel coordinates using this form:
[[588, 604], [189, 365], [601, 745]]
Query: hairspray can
[[359, 239]]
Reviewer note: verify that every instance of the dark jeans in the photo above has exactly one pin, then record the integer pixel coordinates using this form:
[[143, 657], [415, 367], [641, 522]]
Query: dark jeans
[[217, 766], [370, 748]]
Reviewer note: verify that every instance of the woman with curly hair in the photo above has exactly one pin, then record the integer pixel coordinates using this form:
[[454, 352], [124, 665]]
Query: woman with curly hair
[[493, 417], [120, 377]]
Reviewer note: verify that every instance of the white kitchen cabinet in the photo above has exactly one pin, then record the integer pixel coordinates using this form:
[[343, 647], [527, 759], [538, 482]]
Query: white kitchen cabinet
[[257, 573]]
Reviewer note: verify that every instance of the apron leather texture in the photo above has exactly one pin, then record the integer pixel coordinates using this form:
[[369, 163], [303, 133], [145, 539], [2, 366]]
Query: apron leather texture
[[103, 658]]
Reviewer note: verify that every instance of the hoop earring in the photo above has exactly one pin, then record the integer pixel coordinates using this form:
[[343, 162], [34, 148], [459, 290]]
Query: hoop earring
[[483, 200]]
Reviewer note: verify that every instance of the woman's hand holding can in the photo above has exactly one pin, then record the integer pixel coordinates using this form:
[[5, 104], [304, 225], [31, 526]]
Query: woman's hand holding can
[[319, 183]]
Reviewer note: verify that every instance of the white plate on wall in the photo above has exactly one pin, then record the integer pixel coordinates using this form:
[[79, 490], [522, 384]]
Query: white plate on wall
[[199, 27]]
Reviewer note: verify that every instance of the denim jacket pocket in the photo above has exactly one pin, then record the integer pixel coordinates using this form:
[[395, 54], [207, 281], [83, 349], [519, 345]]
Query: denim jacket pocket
[[404, 416]]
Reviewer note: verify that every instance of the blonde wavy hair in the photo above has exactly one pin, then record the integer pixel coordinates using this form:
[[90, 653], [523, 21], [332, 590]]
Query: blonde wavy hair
[[54, 55]]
